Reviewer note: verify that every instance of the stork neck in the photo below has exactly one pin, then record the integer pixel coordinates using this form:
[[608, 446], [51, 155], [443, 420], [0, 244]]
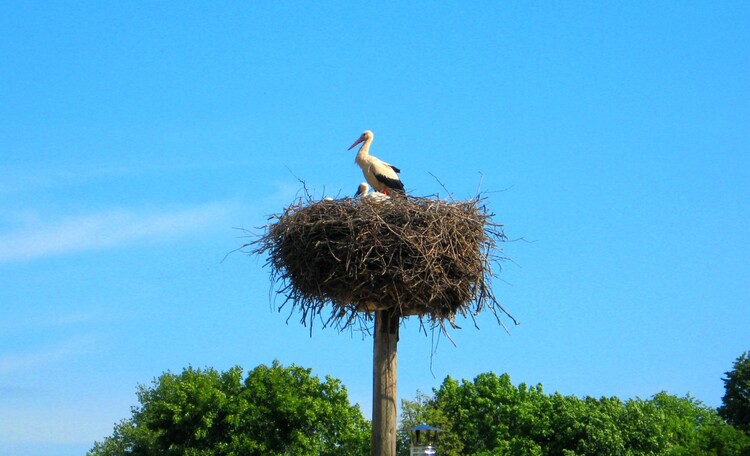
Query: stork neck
[[363, 152]]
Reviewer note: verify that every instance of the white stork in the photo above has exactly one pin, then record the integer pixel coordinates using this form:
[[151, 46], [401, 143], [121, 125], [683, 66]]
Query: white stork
[[382, 176], [363, 192]]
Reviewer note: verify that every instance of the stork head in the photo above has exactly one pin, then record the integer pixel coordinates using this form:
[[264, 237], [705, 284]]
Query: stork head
[[362, 189], [367, 135]]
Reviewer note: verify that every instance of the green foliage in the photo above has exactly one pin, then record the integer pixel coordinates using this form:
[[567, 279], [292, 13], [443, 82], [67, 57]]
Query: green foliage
[[491, 416], [280, 410], [735, 407], [275, 411]]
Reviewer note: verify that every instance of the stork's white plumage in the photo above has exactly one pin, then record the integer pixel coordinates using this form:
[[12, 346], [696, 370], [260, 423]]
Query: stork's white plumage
[[381, 176], [363, 191]]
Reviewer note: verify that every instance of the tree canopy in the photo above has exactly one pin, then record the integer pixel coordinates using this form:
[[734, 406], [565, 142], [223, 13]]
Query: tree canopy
[[735, 406], [491, 416], [275, 410], [281, 410]]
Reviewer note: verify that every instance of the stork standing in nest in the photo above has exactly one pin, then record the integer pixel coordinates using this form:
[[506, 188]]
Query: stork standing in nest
[[381, 176]]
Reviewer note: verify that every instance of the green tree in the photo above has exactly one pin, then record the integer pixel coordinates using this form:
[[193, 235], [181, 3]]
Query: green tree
[[491, 416], [276, 410], [687, 427], [735, 408]]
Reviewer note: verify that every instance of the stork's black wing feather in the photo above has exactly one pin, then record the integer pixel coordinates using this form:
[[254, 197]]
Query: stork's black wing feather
[[395, 184]]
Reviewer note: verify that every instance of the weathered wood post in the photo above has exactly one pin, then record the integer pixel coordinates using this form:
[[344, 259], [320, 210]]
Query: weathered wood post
[[384, 377]]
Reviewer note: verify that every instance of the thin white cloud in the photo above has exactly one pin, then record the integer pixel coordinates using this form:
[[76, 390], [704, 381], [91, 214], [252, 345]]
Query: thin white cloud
[[43, 321], [103, 230], [19, 362], [37, 177], [67, 423]]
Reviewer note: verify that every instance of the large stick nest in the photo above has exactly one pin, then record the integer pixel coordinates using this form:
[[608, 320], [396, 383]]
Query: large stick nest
[[413, 255]]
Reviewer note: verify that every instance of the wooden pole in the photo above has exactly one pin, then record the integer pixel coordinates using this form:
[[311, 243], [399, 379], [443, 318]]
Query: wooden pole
[[384, 383]]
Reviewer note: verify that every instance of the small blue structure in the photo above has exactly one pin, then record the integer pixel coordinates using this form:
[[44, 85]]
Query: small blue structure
[[422, 438]]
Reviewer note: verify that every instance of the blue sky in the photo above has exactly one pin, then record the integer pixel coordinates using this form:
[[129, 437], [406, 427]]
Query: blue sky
[[136, 137]]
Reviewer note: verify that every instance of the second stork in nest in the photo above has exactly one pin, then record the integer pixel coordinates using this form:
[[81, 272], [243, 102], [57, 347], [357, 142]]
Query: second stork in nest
[[363, 191]]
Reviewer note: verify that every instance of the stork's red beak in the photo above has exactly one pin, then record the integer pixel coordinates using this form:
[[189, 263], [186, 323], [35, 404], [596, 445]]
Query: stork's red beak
[[361, 138]]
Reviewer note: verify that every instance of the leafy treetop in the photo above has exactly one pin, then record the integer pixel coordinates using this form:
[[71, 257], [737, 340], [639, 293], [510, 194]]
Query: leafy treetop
[[275, 410]]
